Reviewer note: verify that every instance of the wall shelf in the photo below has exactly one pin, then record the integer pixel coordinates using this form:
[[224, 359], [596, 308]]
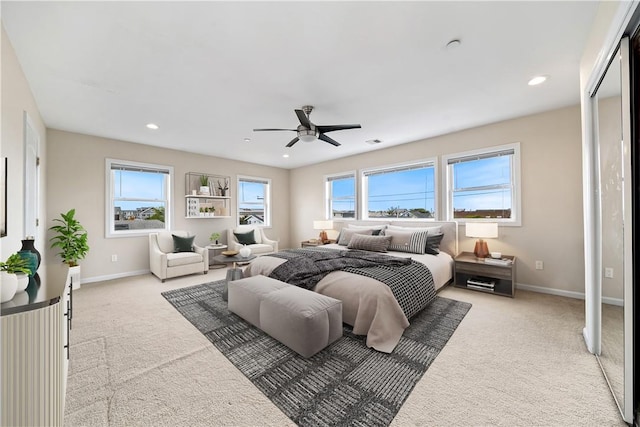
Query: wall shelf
[[208, 201]]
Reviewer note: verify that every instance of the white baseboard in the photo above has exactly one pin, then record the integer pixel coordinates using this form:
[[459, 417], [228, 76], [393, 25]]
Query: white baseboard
[[94, 279], [563, 293]]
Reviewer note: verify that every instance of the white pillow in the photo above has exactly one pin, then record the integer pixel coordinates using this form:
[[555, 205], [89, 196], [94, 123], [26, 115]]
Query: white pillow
[[432, 230], [367, 227]]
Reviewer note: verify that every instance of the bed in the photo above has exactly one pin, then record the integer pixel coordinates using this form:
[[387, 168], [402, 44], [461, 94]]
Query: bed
[[369, 305]]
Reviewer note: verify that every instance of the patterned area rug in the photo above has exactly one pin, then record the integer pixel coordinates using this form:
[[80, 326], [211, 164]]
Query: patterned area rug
[[345, 384]]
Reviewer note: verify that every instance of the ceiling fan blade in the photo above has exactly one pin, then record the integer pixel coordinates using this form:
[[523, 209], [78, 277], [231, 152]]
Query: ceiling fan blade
[[260, 130], [293, 141], [325, 138], [331, 128], [304, 120]]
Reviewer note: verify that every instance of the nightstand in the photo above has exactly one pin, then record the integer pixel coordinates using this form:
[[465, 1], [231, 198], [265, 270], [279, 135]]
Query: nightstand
[[309, 244], [474, 273]]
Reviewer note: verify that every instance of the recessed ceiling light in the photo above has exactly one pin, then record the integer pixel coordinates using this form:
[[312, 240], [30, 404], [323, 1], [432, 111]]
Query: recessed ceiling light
[[153, 126], [537, 80], [247, 140], [286, 156], [374, 141]]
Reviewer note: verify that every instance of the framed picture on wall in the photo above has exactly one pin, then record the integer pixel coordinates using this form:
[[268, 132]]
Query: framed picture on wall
[[3, 196]]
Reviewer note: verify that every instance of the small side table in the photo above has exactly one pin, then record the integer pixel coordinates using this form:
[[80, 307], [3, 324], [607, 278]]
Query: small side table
[[471, 272], [309, 244], [212, 254]]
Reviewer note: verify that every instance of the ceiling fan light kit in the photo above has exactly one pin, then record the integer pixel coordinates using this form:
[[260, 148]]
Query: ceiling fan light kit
[[309, 132]]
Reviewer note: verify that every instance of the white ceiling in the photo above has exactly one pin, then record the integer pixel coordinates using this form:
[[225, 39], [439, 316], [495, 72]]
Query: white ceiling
[[209, 72]]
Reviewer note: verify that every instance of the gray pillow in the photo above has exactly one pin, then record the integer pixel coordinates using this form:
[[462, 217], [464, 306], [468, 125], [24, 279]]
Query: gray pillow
[[433, 243], [247, 238], [346, 234], [183, 244], [369, 243], [407, 241]]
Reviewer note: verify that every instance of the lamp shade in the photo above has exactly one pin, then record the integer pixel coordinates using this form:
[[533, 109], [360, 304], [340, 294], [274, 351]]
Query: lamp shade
[[323, 225], [482, 230]]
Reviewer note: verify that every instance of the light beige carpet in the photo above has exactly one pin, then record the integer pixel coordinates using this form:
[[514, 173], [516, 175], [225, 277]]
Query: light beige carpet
[[135, 361]]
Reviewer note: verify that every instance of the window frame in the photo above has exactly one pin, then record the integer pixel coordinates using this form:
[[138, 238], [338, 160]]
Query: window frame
[[328, 196], [110, 231], [364, 189], [516, 183], [267, 198]]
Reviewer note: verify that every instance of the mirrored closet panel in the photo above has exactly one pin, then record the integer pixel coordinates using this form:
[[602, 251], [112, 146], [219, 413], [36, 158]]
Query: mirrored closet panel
[[611, 178], [613, 166]]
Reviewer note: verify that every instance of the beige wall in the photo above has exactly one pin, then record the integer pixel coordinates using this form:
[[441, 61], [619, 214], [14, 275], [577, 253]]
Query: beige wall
[[17, 99], [76, 179], [551, 228]]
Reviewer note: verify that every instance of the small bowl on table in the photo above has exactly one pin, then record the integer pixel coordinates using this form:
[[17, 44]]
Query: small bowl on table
[[229, 253]]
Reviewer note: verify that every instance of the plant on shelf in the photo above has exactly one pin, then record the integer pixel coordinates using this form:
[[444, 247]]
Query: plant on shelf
[[204, 185], [214, 237], [15, 264], [70, 238]]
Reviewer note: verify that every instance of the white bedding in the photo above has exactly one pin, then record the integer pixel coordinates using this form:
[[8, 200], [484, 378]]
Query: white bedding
[[367, 304]]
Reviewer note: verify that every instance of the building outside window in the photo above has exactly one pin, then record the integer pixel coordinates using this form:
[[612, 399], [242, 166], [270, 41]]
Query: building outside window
[[484, 184], [340, 195], [254, 201], [406, 191], [138, 198]]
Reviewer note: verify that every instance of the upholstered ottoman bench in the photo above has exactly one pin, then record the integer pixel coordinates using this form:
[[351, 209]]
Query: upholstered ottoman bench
[[303, 320]]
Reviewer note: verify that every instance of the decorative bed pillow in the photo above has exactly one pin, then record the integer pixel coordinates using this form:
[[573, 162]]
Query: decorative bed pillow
[[247, 238], [377, 229], [346, 235], [183, 244], [433, 243], [407, 241], [432, 230], [369, 243]]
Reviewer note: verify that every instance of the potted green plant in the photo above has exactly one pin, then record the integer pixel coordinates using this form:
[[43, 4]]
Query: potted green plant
[[214, 238], [9, 270], [204, 185], [71, 237]]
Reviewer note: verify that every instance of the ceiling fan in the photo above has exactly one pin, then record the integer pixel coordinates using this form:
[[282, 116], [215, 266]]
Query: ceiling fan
[[309, 132]]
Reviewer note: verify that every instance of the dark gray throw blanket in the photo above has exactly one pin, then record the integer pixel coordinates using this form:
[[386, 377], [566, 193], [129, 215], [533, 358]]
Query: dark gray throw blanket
[[410, 282]]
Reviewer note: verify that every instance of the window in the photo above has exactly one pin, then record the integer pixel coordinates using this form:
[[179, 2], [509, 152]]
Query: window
[[340, 193], [254, 201], [138, 198], [484, 184], [402, 191]]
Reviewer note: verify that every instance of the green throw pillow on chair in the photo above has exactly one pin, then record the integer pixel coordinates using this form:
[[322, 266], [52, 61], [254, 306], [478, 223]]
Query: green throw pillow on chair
[[247, 238], [183, 244]]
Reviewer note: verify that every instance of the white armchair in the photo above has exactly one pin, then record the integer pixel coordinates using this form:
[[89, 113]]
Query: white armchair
[[165, 263], [262, 246]]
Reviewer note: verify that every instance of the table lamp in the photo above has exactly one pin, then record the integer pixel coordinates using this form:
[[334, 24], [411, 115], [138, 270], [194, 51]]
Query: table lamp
[[323, 226], [481, 230]]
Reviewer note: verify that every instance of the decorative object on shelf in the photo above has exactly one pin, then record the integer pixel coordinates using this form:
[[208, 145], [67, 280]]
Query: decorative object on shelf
[[245, 251], [8, 276], [23, 281], [323, 226], [70, 237], [204, 185], [214, 237], [229, 253], [31, 261], [481, 230], [222, 188], [28, 245]]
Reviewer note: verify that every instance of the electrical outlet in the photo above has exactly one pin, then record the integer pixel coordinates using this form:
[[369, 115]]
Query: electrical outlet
[[539, 265], [608, 273], [114, 258]]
